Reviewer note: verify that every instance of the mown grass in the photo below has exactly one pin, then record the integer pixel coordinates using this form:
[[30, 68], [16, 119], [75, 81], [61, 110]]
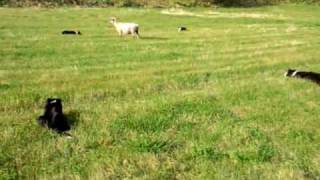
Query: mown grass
[[209, 103]]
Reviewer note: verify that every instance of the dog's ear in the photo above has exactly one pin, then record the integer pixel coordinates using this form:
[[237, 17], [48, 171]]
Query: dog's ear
[[48, 104]]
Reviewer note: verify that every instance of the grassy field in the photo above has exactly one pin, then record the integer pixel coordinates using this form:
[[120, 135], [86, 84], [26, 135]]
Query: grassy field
[[209, 103]]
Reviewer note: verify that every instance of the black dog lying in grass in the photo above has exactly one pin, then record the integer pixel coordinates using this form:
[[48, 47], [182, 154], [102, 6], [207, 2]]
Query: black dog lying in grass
[[312, 76], [71, 32], [53, 116]]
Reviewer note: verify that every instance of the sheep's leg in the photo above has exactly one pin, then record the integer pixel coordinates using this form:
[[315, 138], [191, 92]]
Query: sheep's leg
[[136, 34]]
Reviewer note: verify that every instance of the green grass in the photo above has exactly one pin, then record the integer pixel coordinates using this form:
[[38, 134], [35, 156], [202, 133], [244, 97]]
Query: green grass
[[209, 103]]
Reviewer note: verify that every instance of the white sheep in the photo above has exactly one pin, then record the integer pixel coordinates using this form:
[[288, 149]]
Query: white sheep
[[125, 28]]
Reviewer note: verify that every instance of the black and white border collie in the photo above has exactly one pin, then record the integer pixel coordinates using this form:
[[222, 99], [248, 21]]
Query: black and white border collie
[[53, 117], [71, 32], [182, 28], [312, 76]]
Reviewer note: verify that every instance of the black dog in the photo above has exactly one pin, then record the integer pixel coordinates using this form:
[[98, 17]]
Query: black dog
[[71, 32], [312, 76], [53, 117], [182, 29]]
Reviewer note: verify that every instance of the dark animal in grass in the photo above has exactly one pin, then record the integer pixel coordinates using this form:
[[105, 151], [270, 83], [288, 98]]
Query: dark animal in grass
[[312, 76], [182, 28], [71, 32], [53, 117]]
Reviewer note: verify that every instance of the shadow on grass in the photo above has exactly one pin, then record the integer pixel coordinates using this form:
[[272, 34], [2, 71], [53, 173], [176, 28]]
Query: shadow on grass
[[4, 86], [73, 118]]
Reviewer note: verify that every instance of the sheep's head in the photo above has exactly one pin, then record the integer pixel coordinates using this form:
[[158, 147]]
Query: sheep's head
[[113, 20]]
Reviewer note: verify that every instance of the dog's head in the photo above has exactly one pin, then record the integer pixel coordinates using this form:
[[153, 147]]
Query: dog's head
[[290, 73], [53, 105]]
